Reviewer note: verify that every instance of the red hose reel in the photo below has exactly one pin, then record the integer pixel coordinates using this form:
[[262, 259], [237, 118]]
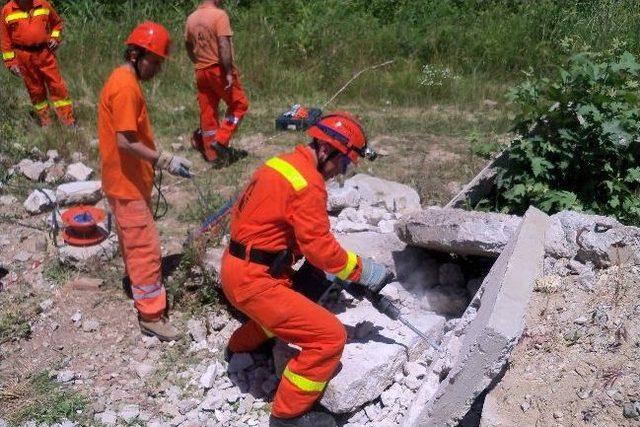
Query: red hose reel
[[81, 226]]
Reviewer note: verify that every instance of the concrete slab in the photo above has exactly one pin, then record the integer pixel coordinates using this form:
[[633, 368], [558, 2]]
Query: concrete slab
[[492, 334], [458, 231]]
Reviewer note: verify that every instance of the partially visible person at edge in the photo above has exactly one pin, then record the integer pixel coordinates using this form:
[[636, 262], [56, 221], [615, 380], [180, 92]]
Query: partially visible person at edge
[[30, 34], [280, 217], [128, 157], [208, 42]]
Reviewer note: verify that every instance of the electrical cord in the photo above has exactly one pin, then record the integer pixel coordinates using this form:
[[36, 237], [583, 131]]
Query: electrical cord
[[160, 199]]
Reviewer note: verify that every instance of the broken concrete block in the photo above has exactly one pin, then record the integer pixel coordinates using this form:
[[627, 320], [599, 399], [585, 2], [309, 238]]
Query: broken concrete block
[[606, 247], [458, 231], [387, 226], [55, 173], [369, 365], [30, 169], [85, 257], [39, 201], [380, 247], [393, 196], [346, 226], [339, 198], [81, 192], [373, 215], [494, 331], [561, 240], [78, 172]]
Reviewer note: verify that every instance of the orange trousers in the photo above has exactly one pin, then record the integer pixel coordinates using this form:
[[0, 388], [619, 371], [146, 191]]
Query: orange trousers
[[41, 75], [210, 83], [277, 310], [140, 247]]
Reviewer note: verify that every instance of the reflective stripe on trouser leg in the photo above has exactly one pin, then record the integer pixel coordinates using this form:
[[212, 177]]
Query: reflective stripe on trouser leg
[[208, 101], [248, 337], [142, 255]]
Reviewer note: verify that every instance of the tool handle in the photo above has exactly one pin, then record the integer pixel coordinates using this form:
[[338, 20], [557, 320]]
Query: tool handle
[[384, 305]]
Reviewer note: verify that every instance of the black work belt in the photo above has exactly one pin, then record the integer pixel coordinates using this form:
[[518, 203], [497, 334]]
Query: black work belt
[[276, 261], [31, 48]]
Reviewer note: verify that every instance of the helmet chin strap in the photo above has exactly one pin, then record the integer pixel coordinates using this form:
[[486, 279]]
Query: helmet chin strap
[[321, 163]]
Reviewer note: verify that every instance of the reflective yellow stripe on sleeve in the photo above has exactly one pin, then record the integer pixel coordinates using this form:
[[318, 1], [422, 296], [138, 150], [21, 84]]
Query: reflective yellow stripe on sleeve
[[41, 105], [352, 262], [290, 173], [40, 12], [15, 16], [303, 383], [61, 103], [55, 33], [8, 55]]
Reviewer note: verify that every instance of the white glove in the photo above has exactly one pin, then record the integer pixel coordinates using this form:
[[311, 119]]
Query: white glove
[[176, 165]]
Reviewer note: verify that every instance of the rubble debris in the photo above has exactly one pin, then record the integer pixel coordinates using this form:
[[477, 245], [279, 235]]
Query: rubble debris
[[34, 171], [458, 231], [493, 331], [197, 329], [22, 256], [392, 196], [80, 192], [340, 198], [40, 201], [78, 172], [82, 258], [55, 173], [65, 376]]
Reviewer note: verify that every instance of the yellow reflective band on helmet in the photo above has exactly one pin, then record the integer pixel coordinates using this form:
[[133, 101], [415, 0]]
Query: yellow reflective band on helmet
[[15, 16], [267, 332], [352, 262], [62, 103], [55, 33], [290, 173], [8, 55], [41, 105], [303, 383], [39, 12]]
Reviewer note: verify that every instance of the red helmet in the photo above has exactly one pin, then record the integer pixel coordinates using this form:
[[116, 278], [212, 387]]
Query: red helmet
[[342, 131], [152, 37]]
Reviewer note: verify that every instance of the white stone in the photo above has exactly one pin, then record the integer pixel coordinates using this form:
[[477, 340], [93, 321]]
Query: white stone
[[77, 316], [88, 256], [387, 226], [80, 192], [373, 215], [65, 376], [90, 325], [39, 201], [53, 155], [209, 377], [339, 198], [129, 413], [393, 196], [108, 418], [197, 329], [347, 226], [34, 171], [391, 395], [143, 370], [78, 172], [46, 305]]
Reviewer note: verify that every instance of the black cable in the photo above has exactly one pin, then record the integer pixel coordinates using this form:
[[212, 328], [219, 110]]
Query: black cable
[[157, 183]]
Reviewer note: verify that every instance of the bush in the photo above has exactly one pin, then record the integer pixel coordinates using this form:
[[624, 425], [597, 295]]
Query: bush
[[579, 139]]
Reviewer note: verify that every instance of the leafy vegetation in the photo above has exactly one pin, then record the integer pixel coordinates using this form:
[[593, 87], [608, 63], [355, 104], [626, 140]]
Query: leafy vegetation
[[579, 139]]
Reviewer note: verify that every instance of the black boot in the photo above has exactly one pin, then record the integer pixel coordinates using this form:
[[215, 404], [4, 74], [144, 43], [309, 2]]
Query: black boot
[[310, 419]]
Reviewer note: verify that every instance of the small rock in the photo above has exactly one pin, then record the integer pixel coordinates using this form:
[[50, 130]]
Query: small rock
[[65, 376], [239, 362], [22, 256], [581, 320], [209, 377], [53, 155], [39, 201], [77, 157], [84, 283], [129, 413], [346, 226], [176, 146], [631, 410], [32, 170], [78, 172], [77, 316], [197, 329], [90, 325], [387, 226], [46, 305], [108, 418], [525, 406], [150, 342], [144, 370]]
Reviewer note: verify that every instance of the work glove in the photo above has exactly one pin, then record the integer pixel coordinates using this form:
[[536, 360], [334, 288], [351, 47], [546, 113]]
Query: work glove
[[375, 276], [176, 165]]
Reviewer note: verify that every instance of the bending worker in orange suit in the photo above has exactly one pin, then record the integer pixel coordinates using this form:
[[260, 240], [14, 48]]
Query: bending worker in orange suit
[[128, 156], [208, 43], [280, 217], [30, 35]]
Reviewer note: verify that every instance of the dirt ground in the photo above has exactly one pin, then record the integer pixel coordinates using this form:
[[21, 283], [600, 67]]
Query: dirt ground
[[577, 363]]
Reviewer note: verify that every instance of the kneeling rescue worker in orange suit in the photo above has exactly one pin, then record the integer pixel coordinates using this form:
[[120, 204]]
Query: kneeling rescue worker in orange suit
[[280, 217], [128, 156], [30, 35], [208, 42]]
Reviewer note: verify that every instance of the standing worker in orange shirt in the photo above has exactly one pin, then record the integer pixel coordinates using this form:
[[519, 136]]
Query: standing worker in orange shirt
[[30, 35], [208, 43], [128, 156], [280, 217]]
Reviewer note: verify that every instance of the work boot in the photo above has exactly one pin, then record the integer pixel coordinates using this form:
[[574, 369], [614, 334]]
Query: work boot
[[310, 419], [160, 328], [223, 154]]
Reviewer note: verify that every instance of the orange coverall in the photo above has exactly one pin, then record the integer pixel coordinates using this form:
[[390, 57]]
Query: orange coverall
[[127, 181], [24, 36], [203, 28], [284, 206]]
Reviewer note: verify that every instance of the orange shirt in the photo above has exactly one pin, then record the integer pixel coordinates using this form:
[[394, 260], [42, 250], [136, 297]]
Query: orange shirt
[[285, 205], [122, 108], [203, 28], [27, 28]]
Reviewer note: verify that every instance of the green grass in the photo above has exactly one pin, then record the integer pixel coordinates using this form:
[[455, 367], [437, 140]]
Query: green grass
[[41, 399]]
